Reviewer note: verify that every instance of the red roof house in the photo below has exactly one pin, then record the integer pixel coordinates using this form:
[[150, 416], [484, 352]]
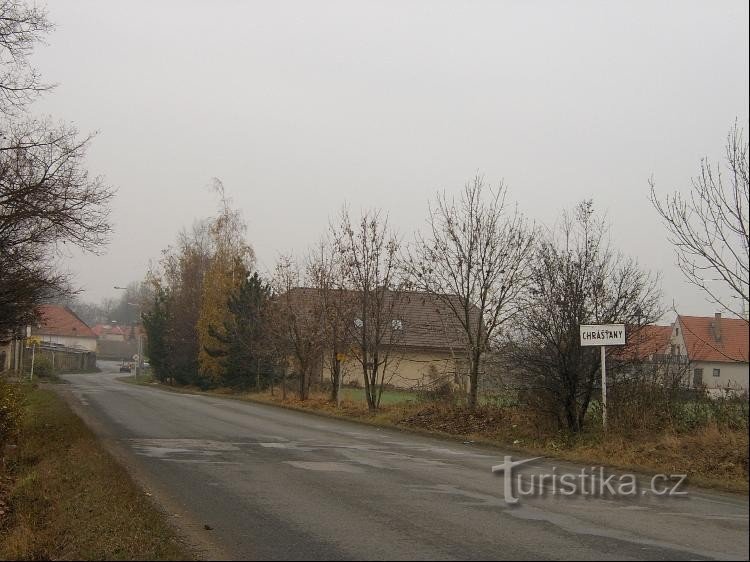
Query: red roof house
[[60, 325], [717, 350]]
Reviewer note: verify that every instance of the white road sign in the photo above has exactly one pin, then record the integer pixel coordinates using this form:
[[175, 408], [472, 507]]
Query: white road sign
[[603, 334]]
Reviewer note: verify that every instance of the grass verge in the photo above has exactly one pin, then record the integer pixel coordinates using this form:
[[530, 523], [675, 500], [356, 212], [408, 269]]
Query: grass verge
[[712, 457], [68, 499]]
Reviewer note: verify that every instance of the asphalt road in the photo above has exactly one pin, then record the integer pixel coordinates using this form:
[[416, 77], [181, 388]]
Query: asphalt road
[[276, 484]]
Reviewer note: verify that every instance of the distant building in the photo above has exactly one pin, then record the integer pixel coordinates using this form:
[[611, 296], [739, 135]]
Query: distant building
[[644, 344], [108, 332], [716, 349], [425, 341], [120, 343], [60, 325]]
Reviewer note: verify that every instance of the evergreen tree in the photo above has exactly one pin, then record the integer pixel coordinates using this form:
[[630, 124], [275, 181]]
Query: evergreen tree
[[156, 323], [244, 344]]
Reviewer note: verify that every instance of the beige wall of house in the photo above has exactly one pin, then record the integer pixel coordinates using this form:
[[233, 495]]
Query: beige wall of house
[[407, 369], [730, 375], [734, 375], [677, 342], [89, 344]]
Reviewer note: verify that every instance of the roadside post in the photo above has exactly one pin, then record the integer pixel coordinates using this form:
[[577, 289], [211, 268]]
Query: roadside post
[[33, 354], [33, 340], [603, 335]]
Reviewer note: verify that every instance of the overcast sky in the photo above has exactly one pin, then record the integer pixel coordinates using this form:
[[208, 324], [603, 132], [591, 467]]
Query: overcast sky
[[300, 106]]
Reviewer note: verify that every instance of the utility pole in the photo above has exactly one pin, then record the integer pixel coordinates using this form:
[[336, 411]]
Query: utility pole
[[139, 354]]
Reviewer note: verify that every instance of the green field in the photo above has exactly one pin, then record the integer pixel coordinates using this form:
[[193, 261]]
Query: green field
[[389, 396]]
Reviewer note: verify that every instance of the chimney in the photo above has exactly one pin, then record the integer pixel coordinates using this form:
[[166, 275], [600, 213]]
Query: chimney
[[717, 326]]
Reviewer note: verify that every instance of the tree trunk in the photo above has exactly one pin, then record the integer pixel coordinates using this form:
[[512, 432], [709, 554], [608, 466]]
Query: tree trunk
[[572, 413], [474, 381], [302, 383], [335, 380], [369, 391]]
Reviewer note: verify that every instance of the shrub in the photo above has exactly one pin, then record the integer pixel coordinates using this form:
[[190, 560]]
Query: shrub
[[42, 367], [438, 392], [11, 410], [641, 405]]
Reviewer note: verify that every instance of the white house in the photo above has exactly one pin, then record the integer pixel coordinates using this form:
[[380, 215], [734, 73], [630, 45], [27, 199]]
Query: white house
[[60, 325], [716, 348]]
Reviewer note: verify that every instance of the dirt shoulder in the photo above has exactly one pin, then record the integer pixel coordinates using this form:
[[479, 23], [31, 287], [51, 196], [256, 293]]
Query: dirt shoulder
[[67, 498]]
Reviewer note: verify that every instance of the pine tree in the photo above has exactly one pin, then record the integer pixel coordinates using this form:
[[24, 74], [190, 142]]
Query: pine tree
[[156, 323], [244, 344]]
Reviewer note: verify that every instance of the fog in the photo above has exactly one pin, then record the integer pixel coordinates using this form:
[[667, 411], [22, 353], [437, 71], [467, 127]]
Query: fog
[[300, 106]]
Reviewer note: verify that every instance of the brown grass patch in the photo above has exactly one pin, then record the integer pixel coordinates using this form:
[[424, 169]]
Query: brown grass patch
[[711, 456], [70, 500]]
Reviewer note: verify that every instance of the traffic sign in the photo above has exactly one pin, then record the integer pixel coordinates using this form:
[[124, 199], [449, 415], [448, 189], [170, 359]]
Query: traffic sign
[[602, 334]]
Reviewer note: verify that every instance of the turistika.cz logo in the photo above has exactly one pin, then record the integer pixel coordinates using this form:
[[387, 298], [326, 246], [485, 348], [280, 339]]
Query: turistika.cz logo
[[590, 481]]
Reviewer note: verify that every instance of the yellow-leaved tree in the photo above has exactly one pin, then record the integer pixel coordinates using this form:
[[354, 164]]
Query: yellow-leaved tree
[[232, 259]]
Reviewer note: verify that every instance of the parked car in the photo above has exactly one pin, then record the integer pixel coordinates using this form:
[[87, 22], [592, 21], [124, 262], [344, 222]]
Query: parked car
[[125, 368]]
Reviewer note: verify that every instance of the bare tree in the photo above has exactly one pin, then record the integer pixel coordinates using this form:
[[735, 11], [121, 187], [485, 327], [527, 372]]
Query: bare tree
[[26, 282], [575, 278], [326, 273], [48, 201], [296, 322], [710, 227], [369, 250], [475, 261], [21, 28]]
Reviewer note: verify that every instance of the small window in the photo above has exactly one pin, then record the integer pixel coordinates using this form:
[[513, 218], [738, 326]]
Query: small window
[[397, 325], [358, 322], [676, 331], [717, 372]]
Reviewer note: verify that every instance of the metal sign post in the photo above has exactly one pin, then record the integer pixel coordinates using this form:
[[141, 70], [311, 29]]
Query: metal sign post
[[604, 388], [603, 335], [33, 353], [34, 341]]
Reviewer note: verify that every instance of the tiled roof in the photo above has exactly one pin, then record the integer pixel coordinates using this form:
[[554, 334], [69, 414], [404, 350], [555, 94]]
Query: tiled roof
[[421, 320], [644, 342], [428, 321], [55, 320], [700, 336]]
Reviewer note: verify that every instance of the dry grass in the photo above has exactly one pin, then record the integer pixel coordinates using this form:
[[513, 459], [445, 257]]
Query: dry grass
[[711, 456], [69, 500]]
